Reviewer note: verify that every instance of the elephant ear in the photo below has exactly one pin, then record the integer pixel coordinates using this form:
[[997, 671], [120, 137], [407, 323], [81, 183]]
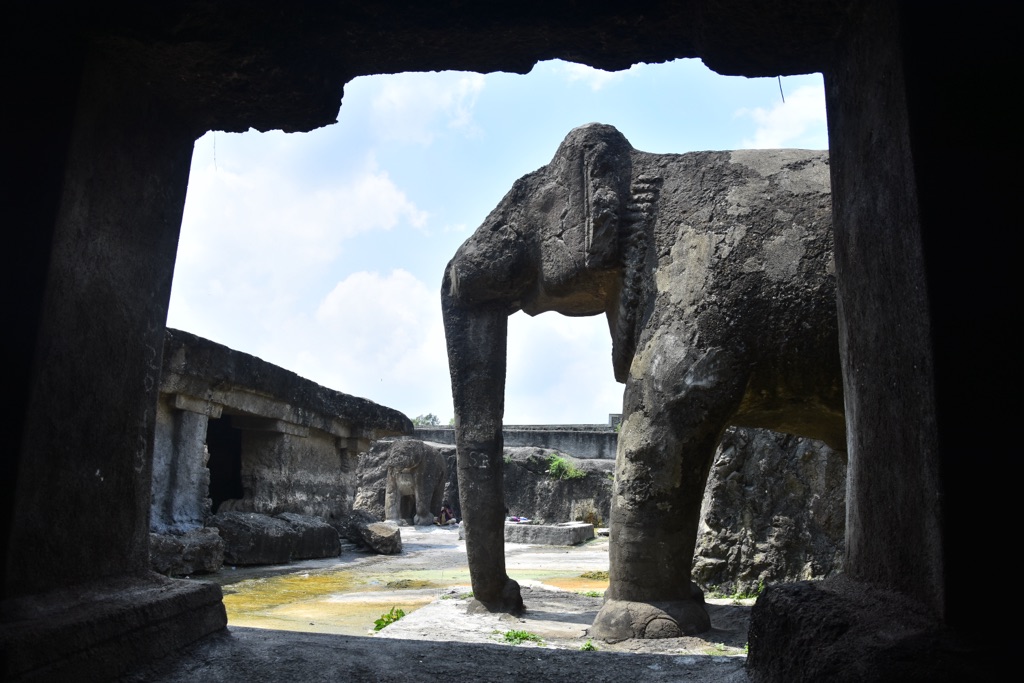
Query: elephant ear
[[607, 165]]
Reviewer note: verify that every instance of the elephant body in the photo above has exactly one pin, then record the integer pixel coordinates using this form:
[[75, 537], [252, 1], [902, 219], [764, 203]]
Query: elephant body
[[715, 271], [416, 476]]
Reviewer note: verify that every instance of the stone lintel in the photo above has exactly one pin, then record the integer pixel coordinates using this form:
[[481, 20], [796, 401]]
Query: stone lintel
[[342, 430], [197, 405], [266, 424]]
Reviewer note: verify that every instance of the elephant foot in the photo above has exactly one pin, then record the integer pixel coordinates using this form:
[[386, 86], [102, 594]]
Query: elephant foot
[[509, 601], [624, 619], [423, 520]]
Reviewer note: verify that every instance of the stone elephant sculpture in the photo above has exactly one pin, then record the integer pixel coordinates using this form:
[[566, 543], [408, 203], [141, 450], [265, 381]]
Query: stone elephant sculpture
[[416, 476], [715, 271]]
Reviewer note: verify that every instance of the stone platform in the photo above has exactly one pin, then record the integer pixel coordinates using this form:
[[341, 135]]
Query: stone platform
[[97, 631], [566, 533]]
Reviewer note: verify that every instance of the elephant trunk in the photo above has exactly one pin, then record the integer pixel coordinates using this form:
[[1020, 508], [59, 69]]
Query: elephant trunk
[[476, 338]]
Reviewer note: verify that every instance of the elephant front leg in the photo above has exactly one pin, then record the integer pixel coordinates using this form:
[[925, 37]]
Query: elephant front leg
[[476, 356], [666, 446], [481, 485], [392, 498]]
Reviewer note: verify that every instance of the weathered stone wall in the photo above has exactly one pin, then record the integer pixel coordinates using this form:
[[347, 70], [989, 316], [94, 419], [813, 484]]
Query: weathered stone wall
[[529, 490], [309, 475], [579, 441]]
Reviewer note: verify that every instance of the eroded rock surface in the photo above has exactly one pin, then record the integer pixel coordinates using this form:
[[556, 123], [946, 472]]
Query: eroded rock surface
[[773, 512]]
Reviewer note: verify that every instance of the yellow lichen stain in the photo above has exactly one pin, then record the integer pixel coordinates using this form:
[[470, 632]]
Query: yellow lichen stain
[[569, 580], [578, 584], [346, 602], [409, 584], [341, 602]]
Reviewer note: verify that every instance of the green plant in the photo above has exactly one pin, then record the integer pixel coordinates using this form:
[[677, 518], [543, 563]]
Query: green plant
[[716, 649], [391, 617], [737, 596], [457, 596], [517, 637], [588, 646], [428, 420], [560, 468], [595, 575], [592, 594]]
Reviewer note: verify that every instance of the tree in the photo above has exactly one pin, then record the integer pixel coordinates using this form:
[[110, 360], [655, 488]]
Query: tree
[[428, 420]]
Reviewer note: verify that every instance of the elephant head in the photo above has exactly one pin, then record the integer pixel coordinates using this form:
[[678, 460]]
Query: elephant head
[[552, 244]]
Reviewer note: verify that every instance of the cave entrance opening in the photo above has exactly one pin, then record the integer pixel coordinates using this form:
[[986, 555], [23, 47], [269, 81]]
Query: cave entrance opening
[[224, 443]]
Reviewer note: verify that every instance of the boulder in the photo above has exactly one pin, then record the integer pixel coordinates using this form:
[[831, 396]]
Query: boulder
[[200, 551], [251, 538], [315, 538], [843, 631], [383, 537], [367, 531]]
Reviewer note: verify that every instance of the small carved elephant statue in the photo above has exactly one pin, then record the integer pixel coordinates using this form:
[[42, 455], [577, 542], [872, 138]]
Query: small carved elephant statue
[[715, 271], [416, 476]]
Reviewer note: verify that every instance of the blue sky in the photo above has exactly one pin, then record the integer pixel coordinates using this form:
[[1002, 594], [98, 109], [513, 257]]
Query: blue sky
[[323, 252]]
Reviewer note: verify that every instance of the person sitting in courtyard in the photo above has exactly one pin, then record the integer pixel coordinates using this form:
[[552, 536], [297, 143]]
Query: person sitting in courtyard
[[447, 516]]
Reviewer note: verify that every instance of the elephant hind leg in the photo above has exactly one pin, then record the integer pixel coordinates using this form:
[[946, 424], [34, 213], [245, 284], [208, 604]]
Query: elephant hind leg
[[666, 447], [429, 495], [424, 516], [624, 619]]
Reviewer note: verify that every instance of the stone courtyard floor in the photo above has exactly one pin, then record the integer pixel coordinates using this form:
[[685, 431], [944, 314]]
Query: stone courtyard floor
[[314, 620]]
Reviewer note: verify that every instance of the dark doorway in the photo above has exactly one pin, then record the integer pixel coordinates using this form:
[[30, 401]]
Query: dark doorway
[[224, 443]]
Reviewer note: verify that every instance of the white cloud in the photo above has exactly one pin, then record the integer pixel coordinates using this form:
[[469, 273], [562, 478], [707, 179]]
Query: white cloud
[[560, 370], [595, 78], [381, 336], [255, 235], [799, 122], [409, 107], [257, 245]]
